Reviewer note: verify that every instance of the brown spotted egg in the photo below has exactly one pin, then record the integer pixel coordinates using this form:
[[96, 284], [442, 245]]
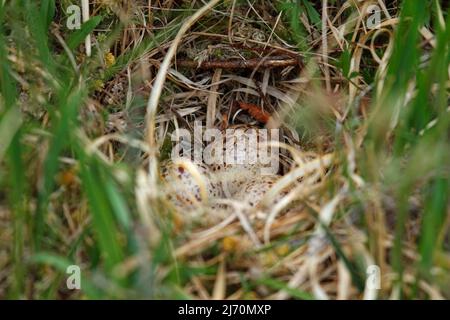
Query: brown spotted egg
[[189, 184], [253, 191], [240, 156]]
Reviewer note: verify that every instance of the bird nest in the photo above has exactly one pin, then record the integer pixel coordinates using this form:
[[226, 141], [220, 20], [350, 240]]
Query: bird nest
[[270, 230]]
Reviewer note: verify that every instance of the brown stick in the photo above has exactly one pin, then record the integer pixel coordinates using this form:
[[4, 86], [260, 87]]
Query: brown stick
[[265, 62]]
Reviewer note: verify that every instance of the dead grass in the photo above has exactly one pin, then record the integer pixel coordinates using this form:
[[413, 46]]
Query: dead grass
[[337, 219]]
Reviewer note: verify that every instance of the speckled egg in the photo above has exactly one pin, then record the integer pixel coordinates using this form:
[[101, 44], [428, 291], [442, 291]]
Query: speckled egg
[[184, 186], [242, 155], [253, 190]]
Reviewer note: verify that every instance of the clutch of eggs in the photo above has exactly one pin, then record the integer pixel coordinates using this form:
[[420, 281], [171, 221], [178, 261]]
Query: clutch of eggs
[[188, 184], [233, 176]]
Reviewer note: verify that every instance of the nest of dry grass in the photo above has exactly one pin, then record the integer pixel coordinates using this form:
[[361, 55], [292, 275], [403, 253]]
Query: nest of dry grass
[[239, 60]]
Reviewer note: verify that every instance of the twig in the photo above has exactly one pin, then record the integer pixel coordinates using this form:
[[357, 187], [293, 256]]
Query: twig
[[259, 49], [212, 100], [267, 62]]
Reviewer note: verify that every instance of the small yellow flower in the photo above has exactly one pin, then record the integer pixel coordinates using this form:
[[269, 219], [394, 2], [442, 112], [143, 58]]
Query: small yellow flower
[[67, 178], [229, 244], [282, 250], [110, 59]]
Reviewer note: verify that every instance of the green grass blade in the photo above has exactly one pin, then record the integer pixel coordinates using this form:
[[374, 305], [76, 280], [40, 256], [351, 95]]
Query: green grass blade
[[47, 11], [102, 214], [60, 139], [76, 38], [280, 285]]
